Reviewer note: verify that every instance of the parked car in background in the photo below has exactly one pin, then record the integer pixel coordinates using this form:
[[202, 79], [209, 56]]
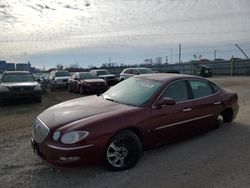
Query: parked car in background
[[202, 70], [58, 79], [19, 84], [105, 75], [40, 79], [136, 114], [85, 82], [127, 73]]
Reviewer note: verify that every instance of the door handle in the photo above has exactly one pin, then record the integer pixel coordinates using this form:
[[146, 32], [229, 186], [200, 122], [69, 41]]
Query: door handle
[[186, 109], [217, 102]]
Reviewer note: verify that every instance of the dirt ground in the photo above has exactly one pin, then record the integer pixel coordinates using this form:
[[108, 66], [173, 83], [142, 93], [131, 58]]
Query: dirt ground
[[219, 158]]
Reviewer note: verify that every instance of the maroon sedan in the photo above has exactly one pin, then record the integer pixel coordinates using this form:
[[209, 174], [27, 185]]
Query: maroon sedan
[[85, 82], [139, 113]]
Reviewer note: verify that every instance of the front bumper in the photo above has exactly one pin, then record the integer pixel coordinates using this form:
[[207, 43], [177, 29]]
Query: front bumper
[[94, 89], [88, 154], [19, 95], [59, 84]]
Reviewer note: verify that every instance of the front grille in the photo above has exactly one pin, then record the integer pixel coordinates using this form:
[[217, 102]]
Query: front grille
[[39, 131], [97, 84], [22, 88], [65, 80], [110, 78]]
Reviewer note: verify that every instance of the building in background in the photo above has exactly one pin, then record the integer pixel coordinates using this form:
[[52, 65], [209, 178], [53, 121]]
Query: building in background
[[23, 66], [6, 66]]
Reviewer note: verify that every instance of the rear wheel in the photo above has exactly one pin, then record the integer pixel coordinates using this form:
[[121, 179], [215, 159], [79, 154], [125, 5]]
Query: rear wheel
[[2, 103], [123, 152], [227, 115], [38, 99]]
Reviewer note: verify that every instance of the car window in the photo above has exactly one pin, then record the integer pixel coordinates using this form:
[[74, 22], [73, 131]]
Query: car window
[[129, 71], [200, 88], [214, 87], [62, 73], [102, 72], [177, 91], [146, 71], [135, 72]]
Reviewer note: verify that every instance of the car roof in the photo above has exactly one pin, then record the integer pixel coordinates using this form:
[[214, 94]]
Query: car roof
[[165, 76]]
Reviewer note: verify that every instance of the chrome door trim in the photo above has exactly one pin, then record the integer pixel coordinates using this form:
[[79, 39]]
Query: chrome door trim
[[186, 121]]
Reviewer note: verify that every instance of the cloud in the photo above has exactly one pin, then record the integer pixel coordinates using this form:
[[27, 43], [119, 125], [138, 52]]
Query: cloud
[[35, 27]]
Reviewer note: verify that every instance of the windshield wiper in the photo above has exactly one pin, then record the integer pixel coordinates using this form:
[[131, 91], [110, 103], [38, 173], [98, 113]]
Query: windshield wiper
[[109, 99]]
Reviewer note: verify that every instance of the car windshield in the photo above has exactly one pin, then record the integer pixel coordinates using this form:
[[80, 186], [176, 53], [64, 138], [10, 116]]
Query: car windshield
[[26, 77], [133, 91], [62, 73], [102, 72], [87, 75]]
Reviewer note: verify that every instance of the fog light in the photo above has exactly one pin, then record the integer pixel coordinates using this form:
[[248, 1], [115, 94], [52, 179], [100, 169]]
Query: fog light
[[69, 158]]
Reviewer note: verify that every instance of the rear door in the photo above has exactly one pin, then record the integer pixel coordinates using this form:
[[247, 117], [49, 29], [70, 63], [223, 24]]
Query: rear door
[[206, 103], [173, 122]]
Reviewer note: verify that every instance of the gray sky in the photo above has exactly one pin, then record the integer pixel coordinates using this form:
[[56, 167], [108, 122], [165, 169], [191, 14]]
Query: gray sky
[[90, 31]]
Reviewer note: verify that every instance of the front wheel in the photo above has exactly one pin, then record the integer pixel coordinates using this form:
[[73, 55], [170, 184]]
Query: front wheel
[[123, 152], [81, 90]]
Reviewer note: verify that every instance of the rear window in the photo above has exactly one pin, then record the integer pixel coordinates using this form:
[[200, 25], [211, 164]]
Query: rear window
[[200, 88]]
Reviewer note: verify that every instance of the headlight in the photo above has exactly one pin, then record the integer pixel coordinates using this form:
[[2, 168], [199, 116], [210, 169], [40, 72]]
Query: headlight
[[4, 89], [37, 88], [74, 136]]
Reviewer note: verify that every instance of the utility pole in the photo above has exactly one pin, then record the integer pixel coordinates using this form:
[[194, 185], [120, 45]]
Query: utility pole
[[179, 53], [241, 51], [171, 56], [214, 54]]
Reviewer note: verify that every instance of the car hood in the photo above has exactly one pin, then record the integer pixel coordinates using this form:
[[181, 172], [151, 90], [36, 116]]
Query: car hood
[[106, 75], [21, 84], [79, 109], [93, 80], [61, 77]]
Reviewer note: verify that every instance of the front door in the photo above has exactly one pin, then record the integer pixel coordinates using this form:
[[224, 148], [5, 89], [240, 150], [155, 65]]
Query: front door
[[170, 123]]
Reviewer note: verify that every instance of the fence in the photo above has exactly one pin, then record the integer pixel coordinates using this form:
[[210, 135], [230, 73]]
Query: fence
[[218, 67]]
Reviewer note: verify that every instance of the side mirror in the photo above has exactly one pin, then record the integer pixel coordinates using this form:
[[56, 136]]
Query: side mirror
[[75, 78], [38, 79], [165, 101]]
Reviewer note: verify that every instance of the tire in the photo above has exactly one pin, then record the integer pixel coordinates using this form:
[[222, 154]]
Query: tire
[[123, 152], [38, 99], [52, 87], [218, 123], [81, 90], [69, 88], [227, 115], [2, 103]]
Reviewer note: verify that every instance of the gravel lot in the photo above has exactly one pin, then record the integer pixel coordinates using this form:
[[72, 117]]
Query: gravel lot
[[219, 158]]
